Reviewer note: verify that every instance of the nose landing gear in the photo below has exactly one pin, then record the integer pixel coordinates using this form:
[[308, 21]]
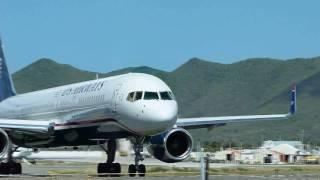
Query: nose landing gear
[[136, 168]]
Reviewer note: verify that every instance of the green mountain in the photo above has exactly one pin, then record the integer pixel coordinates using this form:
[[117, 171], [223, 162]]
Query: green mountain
[[253, 86], [46, 73]]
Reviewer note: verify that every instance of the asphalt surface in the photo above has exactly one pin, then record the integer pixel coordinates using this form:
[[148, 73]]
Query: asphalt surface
[[85, 168], [46, 171]]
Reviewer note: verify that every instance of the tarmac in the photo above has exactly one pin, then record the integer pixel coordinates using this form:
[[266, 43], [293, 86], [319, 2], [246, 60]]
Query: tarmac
[[46, 171], [65, 169]]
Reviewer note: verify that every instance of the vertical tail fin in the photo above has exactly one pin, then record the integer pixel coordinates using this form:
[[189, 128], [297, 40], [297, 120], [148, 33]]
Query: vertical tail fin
[[6, 85], [293, 105]]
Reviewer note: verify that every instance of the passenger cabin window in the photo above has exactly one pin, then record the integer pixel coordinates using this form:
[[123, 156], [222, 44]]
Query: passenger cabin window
[[166, 95], [151, 96]]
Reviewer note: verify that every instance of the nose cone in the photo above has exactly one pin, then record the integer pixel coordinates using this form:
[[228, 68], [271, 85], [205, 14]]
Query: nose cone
[[160, 115], [165, 113]]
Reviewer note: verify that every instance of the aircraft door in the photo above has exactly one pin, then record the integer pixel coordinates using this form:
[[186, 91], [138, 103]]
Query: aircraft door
[[116, 98]]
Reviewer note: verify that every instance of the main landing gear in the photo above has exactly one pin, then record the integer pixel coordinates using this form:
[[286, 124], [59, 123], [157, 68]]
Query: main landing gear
[[10, 166], [114, 169], [136, 168], [109, 168]]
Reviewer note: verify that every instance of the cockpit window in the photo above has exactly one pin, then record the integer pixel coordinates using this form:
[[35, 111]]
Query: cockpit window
[[130, 97], [151, 96], [138, 95], [172, 95], [134, 96], [166, 95]]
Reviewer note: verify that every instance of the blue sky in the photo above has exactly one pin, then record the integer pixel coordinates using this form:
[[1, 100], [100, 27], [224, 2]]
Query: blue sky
[[105, 35]]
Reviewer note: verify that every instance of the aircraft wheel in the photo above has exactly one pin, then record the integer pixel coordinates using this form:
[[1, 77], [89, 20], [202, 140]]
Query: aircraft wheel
[[105, 169], [19, 168], [142, 170], [15, 168], [1, 168], [115, 169], [102, 169], [4, 168], [132, 170], [10, 168]]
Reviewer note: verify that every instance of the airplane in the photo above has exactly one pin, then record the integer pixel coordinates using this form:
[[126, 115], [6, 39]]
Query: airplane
[[136, 106]]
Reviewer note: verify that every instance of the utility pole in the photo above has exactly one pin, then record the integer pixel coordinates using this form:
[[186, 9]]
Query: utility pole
[[302, 136], [199, 153], [204, 168]]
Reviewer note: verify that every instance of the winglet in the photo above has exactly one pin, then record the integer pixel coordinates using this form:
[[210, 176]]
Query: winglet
[[293, 104]]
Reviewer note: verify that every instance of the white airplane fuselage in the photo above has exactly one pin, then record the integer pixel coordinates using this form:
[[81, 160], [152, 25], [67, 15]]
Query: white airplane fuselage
[[95, 109]]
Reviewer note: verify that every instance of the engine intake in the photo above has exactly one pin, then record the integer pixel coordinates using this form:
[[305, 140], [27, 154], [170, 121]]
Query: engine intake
[[4, 143], [172, 146]]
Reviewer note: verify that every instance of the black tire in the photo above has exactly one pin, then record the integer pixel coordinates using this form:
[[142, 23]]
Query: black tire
[[2, 168], [142, 170], [115, 169], [14, 168], [19, 168], [132, 170], [102, 169], [99, 168], [118, 168], [5, 168]]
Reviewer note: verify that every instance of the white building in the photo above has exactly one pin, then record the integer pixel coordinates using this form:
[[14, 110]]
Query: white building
[[288, 151], [275, 152], [270, 144]]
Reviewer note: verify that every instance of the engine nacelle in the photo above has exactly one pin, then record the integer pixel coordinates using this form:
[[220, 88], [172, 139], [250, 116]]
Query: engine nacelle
[[4, 143], [172, 146]]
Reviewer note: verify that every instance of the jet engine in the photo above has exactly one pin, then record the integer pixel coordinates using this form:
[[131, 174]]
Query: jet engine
[[172, 146], [4, 143]]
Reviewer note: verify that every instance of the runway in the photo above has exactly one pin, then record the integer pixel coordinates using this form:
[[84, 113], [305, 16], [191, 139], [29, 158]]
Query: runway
[[79, 171], [82, 165]]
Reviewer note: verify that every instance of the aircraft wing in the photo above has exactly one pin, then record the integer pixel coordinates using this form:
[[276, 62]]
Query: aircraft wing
[[26, 125], [205, 122]]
